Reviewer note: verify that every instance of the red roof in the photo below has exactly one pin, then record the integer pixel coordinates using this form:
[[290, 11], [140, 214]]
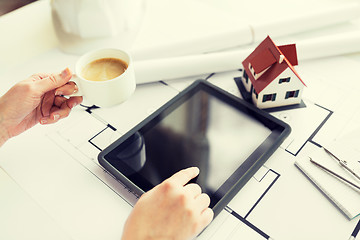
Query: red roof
[[289, 52], [267, 55], [262, 61]]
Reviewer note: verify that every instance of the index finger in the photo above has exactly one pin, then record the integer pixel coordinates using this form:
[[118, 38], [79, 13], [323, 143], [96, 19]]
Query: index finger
[[184, 176]]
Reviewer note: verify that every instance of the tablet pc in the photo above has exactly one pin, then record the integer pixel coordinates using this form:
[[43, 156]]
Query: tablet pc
[[204, 126]]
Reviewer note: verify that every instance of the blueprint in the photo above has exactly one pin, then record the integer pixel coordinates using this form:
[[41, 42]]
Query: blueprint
[[57, 165]]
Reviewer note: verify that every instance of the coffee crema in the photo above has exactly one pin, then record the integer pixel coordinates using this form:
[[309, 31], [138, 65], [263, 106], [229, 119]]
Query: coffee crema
[[104, 69]]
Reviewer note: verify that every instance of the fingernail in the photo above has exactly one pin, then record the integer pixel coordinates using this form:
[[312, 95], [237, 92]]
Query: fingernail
[[76, 88], [65, 73], [56, 117], [43, 121]]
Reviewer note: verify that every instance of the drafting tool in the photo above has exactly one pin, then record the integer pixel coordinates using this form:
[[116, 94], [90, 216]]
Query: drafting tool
[[333, 173], [343, 163]]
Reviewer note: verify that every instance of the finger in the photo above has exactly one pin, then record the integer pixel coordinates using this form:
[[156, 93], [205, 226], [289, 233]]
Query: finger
[[66, 107], [54, 81], [47, 104], [202, 201], [67, 89], [52, 118], [62, 110], [74, 101], [59, 100], [193, 189], [57, 114], [70, 102], [205, 219], [184, 176], [207, 216]]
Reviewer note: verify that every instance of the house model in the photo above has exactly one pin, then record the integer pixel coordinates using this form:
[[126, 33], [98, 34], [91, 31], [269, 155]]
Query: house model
[[269, 76]]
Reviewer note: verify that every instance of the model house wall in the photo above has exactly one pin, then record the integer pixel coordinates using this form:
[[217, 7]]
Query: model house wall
[[246, 81], [287, 91]]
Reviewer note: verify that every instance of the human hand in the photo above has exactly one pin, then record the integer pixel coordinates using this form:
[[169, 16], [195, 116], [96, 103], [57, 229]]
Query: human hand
[[36, 99], [171, 210]]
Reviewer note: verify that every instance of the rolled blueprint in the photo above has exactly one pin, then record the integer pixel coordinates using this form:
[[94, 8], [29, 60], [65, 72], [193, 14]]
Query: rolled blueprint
[[247, 34], [192, 65]]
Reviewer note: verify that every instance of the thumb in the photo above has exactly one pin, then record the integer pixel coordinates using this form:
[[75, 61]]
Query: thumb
[[54, 81]]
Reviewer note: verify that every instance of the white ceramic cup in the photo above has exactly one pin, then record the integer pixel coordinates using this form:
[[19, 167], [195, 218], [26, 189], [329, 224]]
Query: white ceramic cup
[[110, 92]]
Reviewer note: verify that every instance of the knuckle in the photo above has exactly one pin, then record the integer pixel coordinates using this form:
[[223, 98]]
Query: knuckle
[[167, 186], [195, 227], [182, 201], [52, 78], [189, 213], [26, 87], [36, 77], [66, 113]]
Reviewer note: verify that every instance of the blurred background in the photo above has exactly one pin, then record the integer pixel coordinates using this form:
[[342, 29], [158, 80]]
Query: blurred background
[[10, 5]]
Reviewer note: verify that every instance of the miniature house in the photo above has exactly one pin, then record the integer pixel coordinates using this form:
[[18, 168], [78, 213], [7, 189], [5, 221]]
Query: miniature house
[[269, 75]]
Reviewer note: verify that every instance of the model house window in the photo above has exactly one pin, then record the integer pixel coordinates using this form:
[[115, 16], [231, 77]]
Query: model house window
[[292, 94], [246, 77], [283, 80], [256, 95], [269, 97], [251, 69]]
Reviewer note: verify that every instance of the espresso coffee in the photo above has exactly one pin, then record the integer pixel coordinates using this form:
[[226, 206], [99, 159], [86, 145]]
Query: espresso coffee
[[104, 69]]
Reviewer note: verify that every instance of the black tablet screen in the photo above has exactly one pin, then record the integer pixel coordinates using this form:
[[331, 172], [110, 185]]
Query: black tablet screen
[[199, 130]]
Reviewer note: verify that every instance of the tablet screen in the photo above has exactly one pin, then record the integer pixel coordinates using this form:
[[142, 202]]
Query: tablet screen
[[201, 129]]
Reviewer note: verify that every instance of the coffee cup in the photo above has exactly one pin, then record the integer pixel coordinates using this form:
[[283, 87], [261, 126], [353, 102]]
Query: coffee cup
[[105, 77]]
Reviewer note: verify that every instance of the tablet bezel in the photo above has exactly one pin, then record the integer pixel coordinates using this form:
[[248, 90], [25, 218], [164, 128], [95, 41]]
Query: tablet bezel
[[279, 131]]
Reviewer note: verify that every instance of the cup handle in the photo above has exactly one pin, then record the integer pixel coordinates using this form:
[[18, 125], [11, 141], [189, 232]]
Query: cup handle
[[76, 80]]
